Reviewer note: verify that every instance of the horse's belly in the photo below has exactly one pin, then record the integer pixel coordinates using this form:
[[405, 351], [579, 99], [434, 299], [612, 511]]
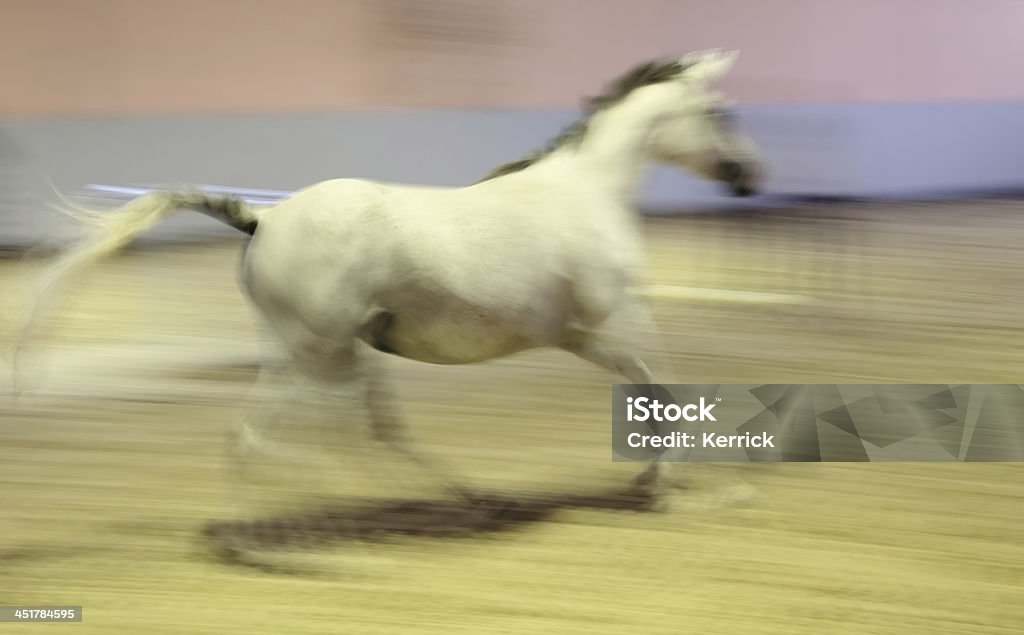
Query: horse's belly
[[466, 336]]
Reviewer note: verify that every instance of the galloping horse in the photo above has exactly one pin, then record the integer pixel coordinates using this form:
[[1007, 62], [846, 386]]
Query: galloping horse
[[542, 252]]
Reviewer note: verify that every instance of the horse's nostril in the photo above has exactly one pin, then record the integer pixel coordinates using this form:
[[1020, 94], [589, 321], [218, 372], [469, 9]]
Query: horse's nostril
[[730, 171]]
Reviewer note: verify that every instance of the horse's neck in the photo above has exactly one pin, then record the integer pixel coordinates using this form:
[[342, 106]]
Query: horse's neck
[[614, 148]]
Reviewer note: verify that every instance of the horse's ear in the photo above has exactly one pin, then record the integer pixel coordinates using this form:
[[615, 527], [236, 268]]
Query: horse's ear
[[708, 66]]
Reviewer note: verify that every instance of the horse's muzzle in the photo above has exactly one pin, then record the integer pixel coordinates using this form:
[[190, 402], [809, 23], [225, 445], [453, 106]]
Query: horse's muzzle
[[740, 179]]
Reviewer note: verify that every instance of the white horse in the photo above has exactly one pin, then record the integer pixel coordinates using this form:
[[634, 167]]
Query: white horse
[[542, 253]]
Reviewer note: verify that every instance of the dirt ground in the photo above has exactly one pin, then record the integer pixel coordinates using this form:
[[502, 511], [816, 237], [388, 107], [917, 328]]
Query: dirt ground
[[114, 463]]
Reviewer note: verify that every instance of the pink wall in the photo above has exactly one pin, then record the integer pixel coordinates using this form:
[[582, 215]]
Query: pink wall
[[116, 57]]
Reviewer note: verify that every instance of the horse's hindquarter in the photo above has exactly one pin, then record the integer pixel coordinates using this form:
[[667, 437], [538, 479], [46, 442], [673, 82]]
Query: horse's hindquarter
[[317, 258]]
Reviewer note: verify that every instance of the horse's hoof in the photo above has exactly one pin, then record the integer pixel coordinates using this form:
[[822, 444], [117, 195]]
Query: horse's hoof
[[648, 495], [741, 494], [661, 505], [647, 480], [679, 482]]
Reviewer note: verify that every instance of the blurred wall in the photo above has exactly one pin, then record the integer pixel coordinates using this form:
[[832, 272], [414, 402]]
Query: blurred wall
[[874, 97], [125, 57]]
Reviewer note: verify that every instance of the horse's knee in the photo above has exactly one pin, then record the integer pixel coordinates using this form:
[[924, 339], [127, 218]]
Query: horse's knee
[[623, 362]]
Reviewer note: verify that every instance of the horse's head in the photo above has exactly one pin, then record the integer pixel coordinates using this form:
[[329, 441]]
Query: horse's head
[[697, 130]]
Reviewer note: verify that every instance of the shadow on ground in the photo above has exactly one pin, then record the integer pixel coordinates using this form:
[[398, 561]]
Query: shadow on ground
[[485, 513]]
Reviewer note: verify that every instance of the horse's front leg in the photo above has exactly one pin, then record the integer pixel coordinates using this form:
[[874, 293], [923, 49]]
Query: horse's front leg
[[617, 346], [633, 367], [627, 344]]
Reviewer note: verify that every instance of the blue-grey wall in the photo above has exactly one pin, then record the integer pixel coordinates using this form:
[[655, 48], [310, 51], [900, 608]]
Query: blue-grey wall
[[865, 150]]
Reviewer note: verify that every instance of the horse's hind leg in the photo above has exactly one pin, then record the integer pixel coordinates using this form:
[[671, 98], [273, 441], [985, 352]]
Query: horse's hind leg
[[387, 421], [280, 398], [268, 399]]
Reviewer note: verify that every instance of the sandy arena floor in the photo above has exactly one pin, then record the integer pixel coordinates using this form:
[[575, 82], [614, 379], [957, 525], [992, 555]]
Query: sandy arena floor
[[110, 468]]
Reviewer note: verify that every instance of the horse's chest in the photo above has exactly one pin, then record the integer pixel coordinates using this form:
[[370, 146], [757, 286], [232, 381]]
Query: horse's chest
[[600, 280]]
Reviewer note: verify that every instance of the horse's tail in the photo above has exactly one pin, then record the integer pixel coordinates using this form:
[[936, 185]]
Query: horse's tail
[[115, 229]]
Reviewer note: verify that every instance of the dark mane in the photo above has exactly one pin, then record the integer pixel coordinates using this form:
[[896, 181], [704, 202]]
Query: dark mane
[[653, 72]]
